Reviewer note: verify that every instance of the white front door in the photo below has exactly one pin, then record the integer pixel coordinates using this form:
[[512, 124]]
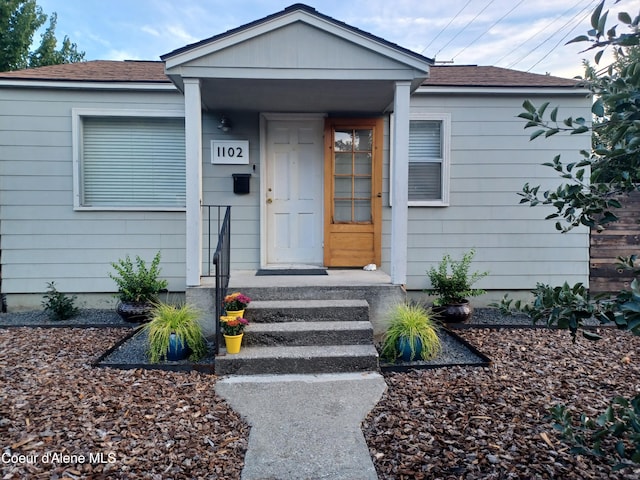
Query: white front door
[[294, 192]]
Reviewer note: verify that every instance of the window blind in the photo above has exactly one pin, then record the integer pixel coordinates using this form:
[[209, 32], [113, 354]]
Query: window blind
[[425, 181], [425, 141], [133, 162], [425, 160]]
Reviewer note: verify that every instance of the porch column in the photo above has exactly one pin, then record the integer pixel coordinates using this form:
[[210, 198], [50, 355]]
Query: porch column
[[400, 176], [193, 150]]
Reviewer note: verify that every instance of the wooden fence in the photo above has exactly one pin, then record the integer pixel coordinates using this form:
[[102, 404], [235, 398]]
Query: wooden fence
[[621, 238]]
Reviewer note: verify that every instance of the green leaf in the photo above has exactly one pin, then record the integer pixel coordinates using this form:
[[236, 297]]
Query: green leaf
[[554, 114], [597, 57], [581, 38], [602, 22], [543, 108], [536, 134], [624, 17], [591, 335], [527, 116], [528, 106], [595, 16]]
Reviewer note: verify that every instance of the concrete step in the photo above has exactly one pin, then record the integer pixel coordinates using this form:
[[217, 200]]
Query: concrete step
[[309, 333], [272, 311], [298, 360]]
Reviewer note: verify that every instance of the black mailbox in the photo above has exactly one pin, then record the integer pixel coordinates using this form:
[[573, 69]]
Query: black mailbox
[[241, 183]]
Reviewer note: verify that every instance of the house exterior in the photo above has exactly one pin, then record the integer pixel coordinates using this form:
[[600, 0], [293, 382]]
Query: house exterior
[[347, 150]]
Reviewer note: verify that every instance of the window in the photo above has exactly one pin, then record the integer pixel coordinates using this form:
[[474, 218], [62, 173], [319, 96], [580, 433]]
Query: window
[[429, 160], [129, 162]]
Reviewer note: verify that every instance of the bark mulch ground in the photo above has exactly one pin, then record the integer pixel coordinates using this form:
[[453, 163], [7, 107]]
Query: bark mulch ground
[[491, 422], [70, 420]]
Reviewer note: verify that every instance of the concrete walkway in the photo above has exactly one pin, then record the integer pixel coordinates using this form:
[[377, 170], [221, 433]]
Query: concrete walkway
[[305, 426]]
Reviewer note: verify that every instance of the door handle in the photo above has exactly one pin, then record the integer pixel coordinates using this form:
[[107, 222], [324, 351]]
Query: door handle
[[269, 200]]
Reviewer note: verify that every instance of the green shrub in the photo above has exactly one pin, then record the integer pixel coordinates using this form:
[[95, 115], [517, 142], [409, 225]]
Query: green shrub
[[138, 283], [58, 305], [451, 281], [614, 435]]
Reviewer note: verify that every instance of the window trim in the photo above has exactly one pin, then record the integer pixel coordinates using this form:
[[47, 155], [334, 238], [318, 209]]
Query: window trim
[[445, 118], [77, 114]]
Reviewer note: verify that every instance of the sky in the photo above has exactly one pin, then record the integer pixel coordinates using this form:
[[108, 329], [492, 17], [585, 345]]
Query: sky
[[527, 35]]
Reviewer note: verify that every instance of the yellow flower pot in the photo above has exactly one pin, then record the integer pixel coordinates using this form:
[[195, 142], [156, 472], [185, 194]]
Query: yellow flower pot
[[233, 343], [235, 313]]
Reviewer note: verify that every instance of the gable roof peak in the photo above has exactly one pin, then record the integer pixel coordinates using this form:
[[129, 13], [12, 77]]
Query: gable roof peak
[[296, 13], [300, 6]]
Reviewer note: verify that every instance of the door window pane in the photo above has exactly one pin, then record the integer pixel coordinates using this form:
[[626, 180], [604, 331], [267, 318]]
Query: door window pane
[[343, 140], [363, 163], [363, 140], [344, 164], [342, 211], [352, 181]]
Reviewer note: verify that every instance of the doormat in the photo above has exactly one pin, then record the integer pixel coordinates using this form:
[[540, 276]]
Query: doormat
[[291, 271]]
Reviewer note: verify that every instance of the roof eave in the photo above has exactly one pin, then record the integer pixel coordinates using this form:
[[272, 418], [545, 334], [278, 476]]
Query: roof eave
[[86, 84], [502, 90]]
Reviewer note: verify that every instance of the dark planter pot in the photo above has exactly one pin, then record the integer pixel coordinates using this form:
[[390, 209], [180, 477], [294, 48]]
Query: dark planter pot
[[136, 312], [454, 312], [404, 349], [177, 350]]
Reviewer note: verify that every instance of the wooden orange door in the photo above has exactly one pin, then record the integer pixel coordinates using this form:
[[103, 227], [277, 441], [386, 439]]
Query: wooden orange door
[[353, 192]]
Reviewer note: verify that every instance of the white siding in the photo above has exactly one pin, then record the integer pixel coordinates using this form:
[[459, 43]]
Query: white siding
[[217, 188], [43, 238], [491, 159]]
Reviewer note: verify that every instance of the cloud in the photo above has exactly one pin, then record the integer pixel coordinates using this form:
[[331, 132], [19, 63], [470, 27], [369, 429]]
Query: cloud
[[180, 34], [150, 30], [121, 55]]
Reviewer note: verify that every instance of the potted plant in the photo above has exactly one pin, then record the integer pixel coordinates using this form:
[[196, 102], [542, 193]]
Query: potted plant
[[452, 283], [235, 304], [138, 287], [174, 333], [412, 334], [233, 330]]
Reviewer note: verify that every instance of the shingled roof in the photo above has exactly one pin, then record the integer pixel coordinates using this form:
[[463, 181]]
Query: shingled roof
[[130, 71], [96, 71], [486, 76]]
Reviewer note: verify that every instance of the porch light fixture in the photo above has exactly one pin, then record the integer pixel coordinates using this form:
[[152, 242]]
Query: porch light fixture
[[225, 124]]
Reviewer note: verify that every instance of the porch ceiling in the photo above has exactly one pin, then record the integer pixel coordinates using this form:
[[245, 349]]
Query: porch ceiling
[[265, 95]]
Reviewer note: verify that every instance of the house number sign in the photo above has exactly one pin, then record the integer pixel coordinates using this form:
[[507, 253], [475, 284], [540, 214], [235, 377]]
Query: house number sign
[[230, 152]]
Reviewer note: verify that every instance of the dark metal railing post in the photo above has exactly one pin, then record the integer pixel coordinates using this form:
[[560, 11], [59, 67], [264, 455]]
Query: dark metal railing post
[[221, 262]]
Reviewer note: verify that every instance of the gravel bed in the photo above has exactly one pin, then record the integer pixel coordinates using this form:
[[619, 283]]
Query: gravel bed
[[455, 351], [493, 317], [132, 353], [86, 318]]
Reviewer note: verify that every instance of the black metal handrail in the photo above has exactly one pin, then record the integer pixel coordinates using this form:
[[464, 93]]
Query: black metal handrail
[[221, 264]]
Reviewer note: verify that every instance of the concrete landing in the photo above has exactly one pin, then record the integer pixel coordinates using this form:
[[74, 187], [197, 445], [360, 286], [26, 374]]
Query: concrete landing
[[305, 426]]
